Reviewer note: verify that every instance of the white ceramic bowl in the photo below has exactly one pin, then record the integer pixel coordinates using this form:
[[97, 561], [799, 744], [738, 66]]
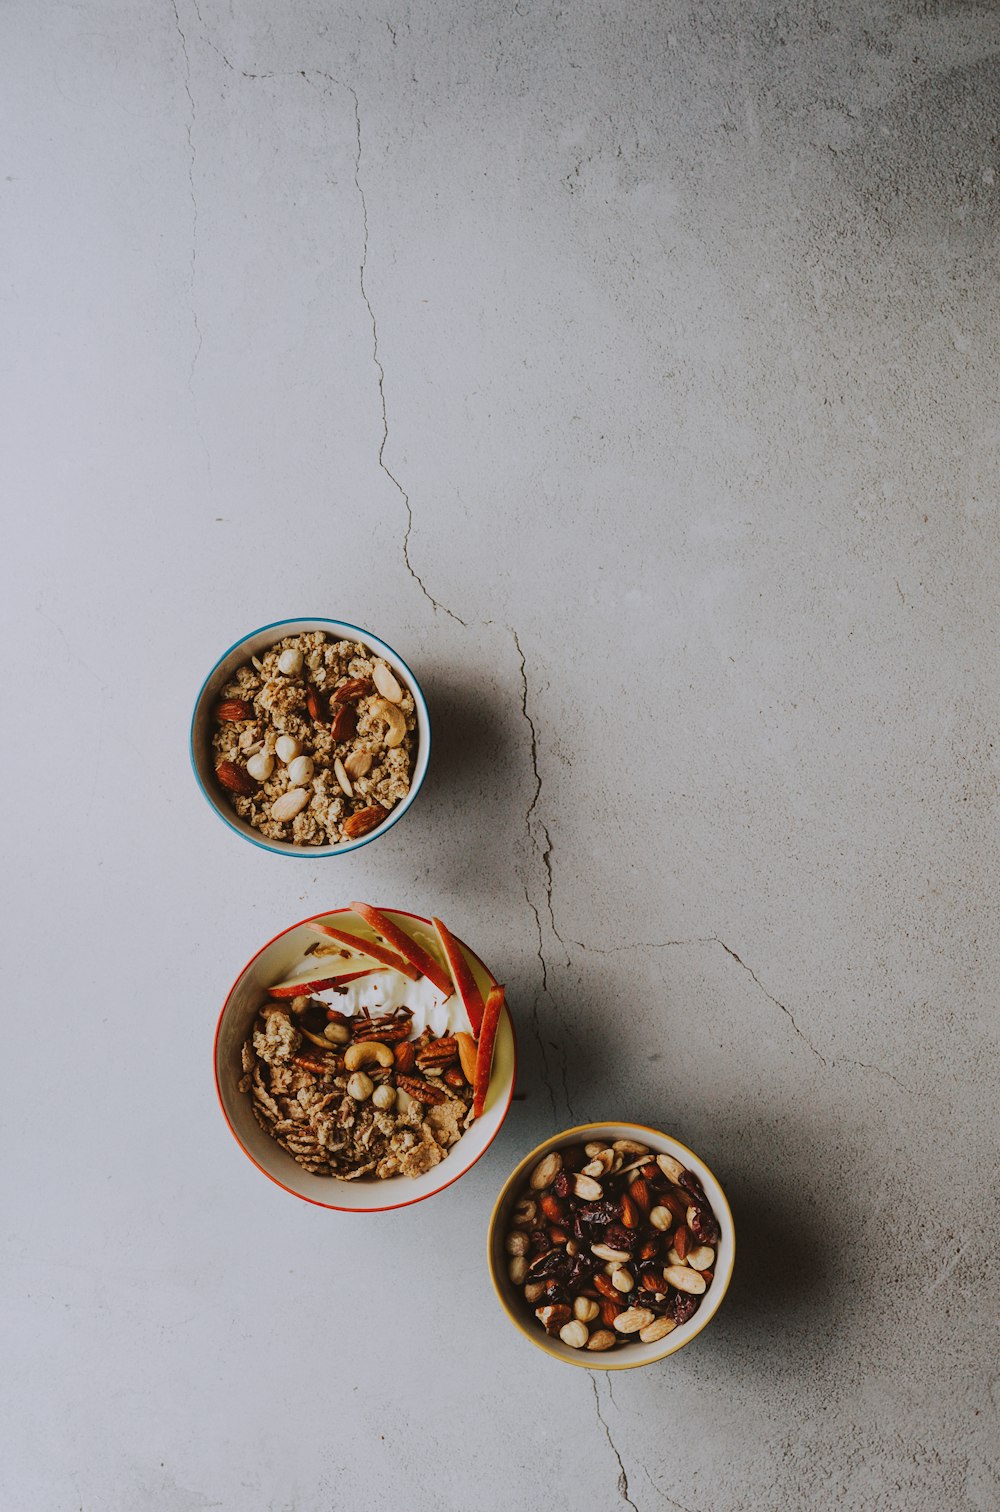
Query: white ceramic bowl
[[202, 729], [276, 961], [629, 1356]]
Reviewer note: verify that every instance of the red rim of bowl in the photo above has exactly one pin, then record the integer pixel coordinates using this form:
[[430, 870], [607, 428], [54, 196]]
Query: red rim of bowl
[[315, 1202]]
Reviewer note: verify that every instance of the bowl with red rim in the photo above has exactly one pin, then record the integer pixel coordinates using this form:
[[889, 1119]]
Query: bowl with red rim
[[307, 960], [625, 1356]]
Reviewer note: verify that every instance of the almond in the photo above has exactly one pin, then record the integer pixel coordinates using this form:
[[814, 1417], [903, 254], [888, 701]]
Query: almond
[[601, 1339], [467, 1055], [288, 805], [355, 687], [630, 1212], [681, 1241], [405, 1056], [232, 710], [345, 722], [363, 821], [316, 704], [610, 1311], [684, 1279], [386, 683], [552, 1207], [235, 778], [341, 775], [640, 1194]]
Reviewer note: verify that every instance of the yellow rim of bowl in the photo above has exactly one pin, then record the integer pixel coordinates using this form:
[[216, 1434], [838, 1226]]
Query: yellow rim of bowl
[[530, 1334]]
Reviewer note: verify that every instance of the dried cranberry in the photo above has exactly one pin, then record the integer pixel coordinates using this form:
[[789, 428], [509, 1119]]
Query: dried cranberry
[[598, 1214], [540, 1241], [703, 1225], [556, 1263], [690, 1183], [553, 1292], [682, 1306], [582, 1269], [619, 1237], [563, 1184]]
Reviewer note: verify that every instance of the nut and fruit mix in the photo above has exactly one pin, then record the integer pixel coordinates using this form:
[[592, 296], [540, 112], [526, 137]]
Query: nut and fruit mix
[[611, 1245], [360, 1094], [315, 740]]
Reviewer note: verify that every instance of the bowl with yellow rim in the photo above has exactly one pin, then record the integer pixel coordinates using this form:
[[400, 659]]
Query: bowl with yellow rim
[[630, 1355]]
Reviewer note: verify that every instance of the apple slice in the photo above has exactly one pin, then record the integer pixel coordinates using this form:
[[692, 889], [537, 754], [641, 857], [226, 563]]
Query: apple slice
[[484, 1057], [318, 980], [406, 946], [461, 972], [369, 948]]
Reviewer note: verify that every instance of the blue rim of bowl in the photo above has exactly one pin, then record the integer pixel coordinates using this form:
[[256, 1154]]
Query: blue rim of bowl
[[315, 852]]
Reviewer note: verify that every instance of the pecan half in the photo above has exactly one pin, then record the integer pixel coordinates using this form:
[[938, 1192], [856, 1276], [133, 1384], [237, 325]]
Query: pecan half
[[421, 1090]]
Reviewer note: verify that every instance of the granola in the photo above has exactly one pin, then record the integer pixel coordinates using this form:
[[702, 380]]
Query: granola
[[315, 741], [332, 1093]]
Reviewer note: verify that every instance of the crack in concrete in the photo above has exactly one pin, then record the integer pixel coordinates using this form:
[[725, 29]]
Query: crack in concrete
[[623, 1491], [879, 1071], [771, 998], [715, 940], [535, 1022], [436, 604], [533, 823], [192, 158], [307, 74], [641, 945], [680, 1506]]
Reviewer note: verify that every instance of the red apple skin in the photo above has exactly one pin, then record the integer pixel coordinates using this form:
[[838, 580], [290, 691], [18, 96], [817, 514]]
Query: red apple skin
[[468, 989], [413, 952], [484, 1056], [370, 948], [301, 986]]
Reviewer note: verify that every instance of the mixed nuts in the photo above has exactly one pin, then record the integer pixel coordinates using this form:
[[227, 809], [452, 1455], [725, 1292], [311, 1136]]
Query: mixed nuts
[[610, 1244]]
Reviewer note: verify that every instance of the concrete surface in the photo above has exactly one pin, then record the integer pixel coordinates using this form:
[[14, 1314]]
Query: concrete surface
[[633, 370]]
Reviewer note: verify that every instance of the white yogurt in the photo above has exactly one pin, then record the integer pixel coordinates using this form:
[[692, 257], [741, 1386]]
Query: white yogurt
[[382, 991]]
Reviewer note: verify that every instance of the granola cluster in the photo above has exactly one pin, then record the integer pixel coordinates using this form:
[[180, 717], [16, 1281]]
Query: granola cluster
[[379, 1121], [315, 740]]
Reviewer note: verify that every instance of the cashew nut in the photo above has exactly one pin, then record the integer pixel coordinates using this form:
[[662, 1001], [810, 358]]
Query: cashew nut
[[368, 1053], [394, 718]]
